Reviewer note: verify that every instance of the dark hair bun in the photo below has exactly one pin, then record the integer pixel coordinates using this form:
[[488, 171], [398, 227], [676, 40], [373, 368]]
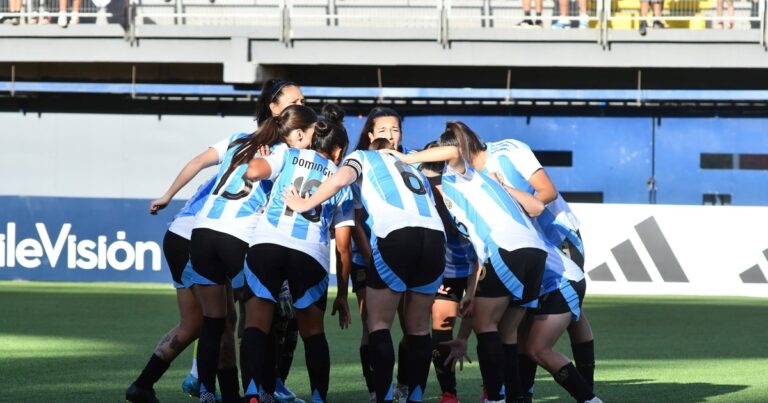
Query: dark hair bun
[[334, 113]]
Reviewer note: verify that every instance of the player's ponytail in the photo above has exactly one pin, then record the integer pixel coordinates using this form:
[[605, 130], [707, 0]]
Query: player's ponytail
[[273, 131], [468, 142], [329, 131]]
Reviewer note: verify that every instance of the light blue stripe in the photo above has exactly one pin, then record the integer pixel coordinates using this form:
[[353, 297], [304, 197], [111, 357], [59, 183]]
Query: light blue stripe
[[482, 229], [190, 277], [416, 394], [257, 287], [384, 180], [313, 294], [422, 202], [385, 272], [430, 288], [504, 200], [239, 279]]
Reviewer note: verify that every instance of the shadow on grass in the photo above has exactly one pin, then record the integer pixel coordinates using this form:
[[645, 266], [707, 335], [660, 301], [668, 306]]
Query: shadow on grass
[[637, 390]]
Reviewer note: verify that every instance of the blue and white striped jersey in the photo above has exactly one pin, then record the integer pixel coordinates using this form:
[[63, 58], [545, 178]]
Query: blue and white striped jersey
[[514, 162], [184, 220], [485, 213], [307, 232], [460, 256], [234, 204], [394, 194]]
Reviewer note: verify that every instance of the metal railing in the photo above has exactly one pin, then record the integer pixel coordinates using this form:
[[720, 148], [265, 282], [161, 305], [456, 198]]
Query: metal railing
[[42, 12], [447, 19]]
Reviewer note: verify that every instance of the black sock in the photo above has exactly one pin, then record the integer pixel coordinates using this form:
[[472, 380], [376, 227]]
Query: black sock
[[419, 354], [445, 376], [288, 346], [584, 356], [527, 372], [512, 385], [365, 362], [490, 353], [402, 362], [570, 379], [152, 372], [269, 363], [208, 348], [230, 387], [251, 354], [318, 359], [527, 14], [382, 355]]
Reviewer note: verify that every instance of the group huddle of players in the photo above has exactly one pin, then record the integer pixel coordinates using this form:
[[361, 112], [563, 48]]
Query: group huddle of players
[[462, 229]]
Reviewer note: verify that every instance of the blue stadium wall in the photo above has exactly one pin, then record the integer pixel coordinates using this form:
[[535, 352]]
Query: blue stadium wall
[[76, 187]]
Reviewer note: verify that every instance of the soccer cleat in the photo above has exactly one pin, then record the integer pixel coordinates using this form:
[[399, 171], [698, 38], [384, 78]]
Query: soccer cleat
[[191, 386], [253, 400], [594, 400], [372, 397], [448, 397], [643, 28], [561, 24], [137, 394], [527, 23], [400, 394], [484, 396], [75, 18], [283, 394], [658, 25]]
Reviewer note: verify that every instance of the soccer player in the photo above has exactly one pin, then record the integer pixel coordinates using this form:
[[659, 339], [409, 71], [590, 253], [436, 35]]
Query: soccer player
[[408, 248], [225, 224], [460, 261], [507, 243], [382, 129], [276, 95], [292, 246], [514, 164], [176, 251]]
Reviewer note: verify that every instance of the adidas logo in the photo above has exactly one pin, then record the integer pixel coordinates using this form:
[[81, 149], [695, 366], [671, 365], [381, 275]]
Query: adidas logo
[[629, 261], [663, 257]]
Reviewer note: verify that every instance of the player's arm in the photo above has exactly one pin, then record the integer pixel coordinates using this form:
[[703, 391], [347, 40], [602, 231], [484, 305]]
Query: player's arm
[[361, 239], [343, 237], [345, 176], [258, 169], [544, 188], [532, 205], [206, 159], [434, 154]]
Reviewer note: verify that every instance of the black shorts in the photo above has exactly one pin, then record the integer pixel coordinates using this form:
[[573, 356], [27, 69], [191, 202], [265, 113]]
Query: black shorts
[[408, 259], [176, 251], [358, 275], [456, 288], [216, 256], [568, 298], [515, 274], [269, 265]]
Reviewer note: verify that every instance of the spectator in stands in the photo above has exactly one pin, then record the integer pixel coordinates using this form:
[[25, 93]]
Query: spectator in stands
[[565, 22], [720, 24], [529, 22], [63, 13], [657, 6], [14, 6]]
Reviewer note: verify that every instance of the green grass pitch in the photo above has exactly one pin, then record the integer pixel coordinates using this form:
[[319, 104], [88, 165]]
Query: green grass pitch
[[87, 342]]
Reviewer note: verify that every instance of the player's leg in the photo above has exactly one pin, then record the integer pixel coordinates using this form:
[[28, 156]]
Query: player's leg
[[444, 313], [227, 373]]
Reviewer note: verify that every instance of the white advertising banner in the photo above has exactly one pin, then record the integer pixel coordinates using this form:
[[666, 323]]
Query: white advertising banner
[[675, 250]]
